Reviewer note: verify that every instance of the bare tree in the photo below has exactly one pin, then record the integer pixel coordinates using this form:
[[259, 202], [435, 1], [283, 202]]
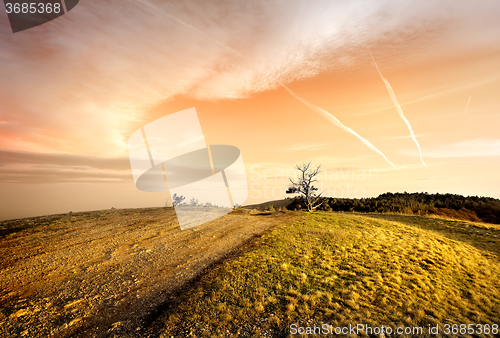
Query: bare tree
[[304, 186]]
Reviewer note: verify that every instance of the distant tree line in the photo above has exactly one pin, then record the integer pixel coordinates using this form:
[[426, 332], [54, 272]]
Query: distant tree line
[[471, 208], [178, 201]]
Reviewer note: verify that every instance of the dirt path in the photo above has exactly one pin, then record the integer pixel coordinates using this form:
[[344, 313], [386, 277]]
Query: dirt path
[[100, 273]]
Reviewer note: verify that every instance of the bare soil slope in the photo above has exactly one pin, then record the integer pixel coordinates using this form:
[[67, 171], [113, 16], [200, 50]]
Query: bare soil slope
[[100, 273]]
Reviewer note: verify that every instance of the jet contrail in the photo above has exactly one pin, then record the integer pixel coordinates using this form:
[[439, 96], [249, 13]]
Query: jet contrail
[[318, 110], [465, 110], [467, 105], [398, 108], [335, 121]]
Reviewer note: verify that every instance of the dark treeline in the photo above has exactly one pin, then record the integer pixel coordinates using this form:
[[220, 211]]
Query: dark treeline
[[472, 208]]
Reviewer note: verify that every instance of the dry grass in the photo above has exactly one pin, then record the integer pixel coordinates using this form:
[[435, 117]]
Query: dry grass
[[100, 273], [341, 269]]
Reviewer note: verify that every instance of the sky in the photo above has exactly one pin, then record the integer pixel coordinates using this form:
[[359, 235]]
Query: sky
[[73, 90]]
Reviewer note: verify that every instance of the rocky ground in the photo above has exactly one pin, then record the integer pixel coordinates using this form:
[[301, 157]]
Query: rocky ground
[[103, 273]]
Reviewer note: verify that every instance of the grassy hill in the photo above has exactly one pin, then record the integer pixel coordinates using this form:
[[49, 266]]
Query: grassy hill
[[345, 269], [471, 208], [276, 204]]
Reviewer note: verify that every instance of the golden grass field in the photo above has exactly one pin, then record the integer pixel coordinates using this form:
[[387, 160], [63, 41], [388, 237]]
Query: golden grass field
[[341, 269], [134, 273]]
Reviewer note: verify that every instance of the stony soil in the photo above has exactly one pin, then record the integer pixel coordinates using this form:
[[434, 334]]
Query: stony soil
[[103, 273]]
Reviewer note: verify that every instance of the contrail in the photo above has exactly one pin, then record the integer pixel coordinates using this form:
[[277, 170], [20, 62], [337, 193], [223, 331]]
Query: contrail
[[398, 108], [157, 11], [465, 110], [318, 110], [466, 106], [335, 121]]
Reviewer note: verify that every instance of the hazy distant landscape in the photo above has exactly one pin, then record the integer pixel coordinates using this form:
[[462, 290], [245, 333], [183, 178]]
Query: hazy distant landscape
[[253, 272]]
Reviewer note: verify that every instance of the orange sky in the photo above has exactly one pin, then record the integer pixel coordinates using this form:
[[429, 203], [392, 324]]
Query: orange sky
[[73, 91]]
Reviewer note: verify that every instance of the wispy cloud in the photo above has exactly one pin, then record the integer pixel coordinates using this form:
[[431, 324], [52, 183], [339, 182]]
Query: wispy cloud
[[440, 91], [306, 147], [403, 137], [26, 167], [123, 57], [44, 176], [472, 148], [9, 157]]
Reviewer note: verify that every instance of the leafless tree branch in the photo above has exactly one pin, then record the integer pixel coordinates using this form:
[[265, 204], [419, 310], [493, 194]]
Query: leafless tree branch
[[304, 186]]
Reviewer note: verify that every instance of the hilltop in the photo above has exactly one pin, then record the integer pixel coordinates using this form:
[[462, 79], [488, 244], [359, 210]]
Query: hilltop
[[134, 273], [471, 208]]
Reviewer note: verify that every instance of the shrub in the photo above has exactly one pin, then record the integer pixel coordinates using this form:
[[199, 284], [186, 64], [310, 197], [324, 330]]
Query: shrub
[[270, 207]]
